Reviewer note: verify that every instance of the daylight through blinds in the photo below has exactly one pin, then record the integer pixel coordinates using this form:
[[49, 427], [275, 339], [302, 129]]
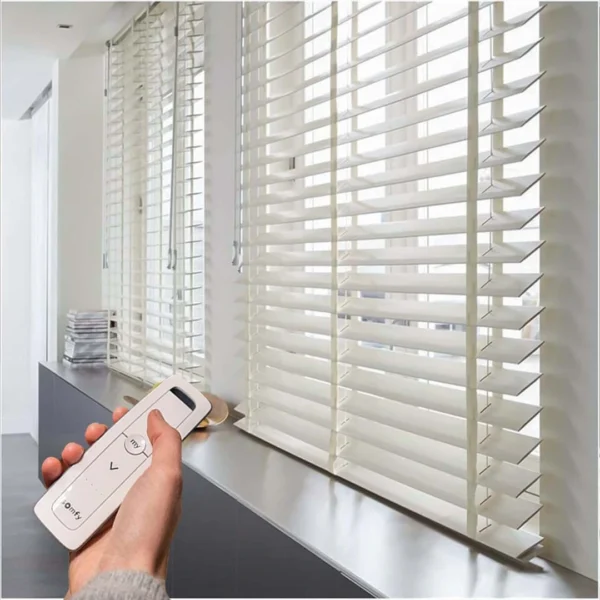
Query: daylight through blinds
[[391, 251], [154, 193]]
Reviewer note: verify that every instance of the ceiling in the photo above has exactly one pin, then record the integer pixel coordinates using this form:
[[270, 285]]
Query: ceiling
[[32, 42]]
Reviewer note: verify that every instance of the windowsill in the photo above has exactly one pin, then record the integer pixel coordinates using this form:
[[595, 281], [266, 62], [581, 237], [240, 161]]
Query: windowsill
[[386, 551]]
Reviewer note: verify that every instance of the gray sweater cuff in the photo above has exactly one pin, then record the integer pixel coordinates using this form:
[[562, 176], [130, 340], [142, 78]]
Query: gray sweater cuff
[[123, 585]]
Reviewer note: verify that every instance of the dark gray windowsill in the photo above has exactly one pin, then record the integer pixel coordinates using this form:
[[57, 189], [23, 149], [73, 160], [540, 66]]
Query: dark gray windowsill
[[388, 552]]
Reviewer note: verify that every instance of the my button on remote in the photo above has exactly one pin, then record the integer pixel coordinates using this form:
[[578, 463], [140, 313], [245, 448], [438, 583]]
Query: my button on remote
[[135, 444]]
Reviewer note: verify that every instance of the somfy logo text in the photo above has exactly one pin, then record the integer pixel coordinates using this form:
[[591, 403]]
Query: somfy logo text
[[68, 506]]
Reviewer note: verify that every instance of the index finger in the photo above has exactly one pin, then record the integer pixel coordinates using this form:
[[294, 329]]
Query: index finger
[[52, 469], [96, 430], [119, 413]]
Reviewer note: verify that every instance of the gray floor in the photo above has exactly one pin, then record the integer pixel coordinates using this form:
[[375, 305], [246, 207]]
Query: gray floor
[[34, 564]]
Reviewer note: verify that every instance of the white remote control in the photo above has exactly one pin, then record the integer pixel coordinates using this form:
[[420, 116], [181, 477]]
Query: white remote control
[[89, 492]]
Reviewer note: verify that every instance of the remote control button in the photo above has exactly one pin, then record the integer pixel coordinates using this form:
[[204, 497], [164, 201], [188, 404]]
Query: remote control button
[[135, 444], [93, 487], [173, 410]]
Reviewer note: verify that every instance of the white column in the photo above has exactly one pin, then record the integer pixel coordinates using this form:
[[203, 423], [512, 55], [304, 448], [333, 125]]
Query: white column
[[77, 87], [569, 288], [224, 308], [15, 283]]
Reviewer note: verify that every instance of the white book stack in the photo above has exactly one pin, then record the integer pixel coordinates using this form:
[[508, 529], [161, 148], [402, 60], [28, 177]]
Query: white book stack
[[86, 337]]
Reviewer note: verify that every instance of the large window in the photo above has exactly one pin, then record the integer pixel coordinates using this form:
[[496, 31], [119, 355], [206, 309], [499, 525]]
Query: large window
[[390, 251], [154, 194]]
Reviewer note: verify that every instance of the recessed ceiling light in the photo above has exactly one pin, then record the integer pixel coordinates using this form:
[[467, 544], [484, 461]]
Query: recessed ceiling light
[[64, 26]]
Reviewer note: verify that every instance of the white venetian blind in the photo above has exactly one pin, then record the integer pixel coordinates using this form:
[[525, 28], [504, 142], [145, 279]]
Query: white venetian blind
[[390, 244], [154, 194]]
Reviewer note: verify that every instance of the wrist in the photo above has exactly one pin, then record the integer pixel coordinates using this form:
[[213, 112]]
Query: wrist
[[140, 562]]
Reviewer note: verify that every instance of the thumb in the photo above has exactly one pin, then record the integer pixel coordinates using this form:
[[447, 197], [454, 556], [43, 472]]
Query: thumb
[[166, 442]]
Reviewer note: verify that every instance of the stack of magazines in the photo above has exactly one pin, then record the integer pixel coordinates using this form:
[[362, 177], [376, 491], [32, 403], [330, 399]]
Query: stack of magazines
[[86, 337]]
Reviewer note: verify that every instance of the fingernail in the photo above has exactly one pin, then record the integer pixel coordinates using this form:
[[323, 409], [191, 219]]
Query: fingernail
[[157, 413]]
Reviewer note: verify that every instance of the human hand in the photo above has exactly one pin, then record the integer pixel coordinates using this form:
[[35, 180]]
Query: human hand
[[139, 535]]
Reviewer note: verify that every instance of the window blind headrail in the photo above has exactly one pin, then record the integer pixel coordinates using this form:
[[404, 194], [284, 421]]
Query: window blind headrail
[[487, 222], [501, 285], [487, 159], [410, 92], [486, 96], [507, 350], [488, 190], [487, 127], [400, 67]]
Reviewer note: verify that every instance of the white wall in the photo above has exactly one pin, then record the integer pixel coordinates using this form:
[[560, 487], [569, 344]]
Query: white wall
[[40, 242], [569, 288], [78, 91], [24, 75], [15, 235]]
